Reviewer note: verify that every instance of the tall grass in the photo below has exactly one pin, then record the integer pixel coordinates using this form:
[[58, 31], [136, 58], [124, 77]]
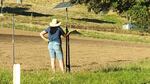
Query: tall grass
[[5, 77], [122, 74]]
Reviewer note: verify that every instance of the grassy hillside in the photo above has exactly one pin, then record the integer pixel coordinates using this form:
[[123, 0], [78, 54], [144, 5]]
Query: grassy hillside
[[42, 12], [35, 15]]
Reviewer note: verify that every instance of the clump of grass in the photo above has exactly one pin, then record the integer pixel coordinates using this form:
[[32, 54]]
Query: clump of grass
[[111, 68], [5, 77]]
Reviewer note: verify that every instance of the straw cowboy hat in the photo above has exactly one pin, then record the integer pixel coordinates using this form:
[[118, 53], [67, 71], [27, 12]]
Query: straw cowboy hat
[[55, 23]]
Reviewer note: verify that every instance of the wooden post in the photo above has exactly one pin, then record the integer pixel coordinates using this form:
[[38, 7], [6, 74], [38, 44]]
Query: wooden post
[[16, 67], [1, 18], [13, 38], [2, 1]]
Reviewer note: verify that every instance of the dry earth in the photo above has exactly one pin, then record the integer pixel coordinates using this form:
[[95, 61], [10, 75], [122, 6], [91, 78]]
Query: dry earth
[[86, 53]]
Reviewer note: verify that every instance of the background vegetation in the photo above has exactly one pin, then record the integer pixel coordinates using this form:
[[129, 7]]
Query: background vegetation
[[35, 15], [40, 13], [135, 10]]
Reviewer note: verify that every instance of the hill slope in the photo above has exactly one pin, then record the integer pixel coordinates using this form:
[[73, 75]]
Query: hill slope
[[42, 12]]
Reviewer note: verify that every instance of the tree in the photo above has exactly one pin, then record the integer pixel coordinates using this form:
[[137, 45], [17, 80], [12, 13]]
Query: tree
[[137, 9], [140, 16], [105, 5]]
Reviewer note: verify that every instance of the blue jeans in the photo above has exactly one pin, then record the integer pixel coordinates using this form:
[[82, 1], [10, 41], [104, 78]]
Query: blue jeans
[[55, 50]]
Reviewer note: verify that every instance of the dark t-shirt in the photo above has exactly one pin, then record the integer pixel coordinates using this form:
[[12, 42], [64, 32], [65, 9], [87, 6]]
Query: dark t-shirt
[[54, 33]]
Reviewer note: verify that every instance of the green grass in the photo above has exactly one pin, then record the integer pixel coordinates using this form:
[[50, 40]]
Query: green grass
[[77, 14], [134, 37], [133, 73], [5, 77], [115, 36], [78, 18], [129, 36]]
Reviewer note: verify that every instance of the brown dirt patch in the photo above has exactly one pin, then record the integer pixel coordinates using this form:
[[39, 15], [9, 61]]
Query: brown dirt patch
[[86, 53]]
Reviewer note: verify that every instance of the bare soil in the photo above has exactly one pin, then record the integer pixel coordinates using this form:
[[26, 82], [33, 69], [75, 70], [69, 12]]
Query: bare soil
[[86, 53]]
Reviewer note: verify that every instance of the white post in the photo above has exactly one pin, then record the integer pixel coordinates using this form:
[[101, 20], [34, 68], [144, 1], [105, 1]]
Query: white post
[[16, 74]]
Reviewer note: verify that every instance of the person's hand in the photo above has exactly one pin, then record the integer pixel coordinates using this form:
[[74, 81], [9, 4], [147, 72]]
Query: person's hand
[[70, 32], [46, 40], [67, 34], [43, 37]]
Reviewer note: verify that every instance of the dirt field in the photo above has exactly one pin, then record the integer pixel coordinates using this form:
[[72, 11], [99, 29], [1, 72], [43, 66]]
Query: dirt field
[[86, 53]]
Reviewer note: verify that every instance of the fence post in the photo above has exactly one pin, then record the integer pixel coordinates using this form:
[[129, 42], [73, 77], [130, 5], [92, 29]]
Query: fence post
[[16, 67]]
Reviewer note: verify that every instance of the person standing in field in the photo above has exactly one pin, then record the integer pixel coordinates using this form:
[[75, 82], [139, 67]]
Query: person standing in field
[[54, 32]]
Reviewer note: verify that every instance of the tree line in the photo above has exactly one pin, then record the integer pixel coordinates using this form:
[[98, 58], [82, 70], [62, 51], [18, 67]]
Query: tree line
[[137, 10]]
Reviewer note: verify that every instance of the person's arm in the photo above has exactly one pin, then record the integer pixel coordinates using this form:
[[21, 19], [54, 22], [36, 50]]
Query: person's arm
[[69, 33], [42, 35], [62, 32], [64, 35]]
